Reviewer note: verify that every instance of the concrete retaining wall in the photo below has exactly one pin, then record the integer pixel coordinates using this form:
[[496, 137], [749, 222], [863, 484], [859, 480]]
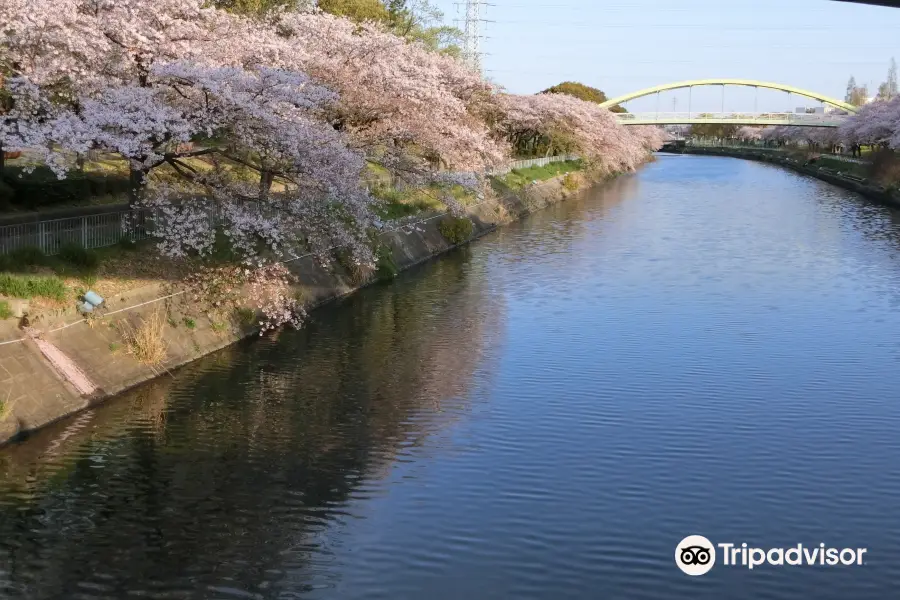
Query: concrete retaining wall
[[34, 394]]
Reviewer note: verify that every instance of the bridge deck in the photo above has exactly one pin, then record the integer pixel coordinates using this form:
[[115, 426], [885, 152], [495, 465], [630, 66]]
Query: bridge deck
[[795, 119]]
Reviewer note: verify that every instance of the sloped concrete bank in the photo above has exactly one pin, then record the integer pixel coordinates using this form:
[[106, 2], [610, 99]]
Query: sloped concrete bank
[[872, 191], [37, 383]]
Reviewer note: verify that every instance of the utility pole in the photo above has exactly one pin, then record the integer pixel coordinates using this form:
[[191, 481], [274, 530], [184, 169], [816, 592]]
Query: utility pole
[[472, 34]]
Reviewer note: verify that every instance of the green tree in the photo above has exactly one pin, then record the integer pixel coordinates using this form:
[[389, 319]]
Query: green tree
[[714, 130], [357, 10], [851, 87], [583, 92], [259, 7], [860, 96], [420, 21], [888, 89], [856, 95]]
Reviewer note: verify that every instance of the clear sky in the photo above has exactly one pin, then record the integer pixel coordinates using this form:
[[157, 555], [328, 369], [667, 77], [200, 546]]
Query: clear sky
[[625, 45]]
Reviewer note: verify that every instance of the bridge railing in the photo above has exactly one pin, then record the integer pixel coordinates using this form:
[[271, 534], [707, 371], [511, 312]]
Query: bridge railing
[[792, 118]]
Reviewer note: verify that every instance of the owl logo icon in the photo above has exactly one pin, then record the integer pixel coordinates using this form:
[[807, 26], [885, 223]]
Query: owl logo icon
[[695, 555]]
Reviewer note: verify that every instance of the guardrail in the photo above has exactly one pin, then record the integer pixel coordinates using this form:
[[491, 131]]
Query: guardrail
[[532, 162], [88, 231], [799, 119], [99, 230]]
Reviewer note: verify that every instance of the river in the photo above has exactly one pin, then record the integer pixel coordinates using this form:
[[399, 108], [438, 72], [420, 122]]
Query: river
[[708, 346]]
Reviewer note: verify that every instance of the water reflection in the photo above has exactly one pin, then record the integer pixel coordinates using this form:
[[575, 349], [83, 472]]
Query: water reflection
[[224, 477], [706, 347]]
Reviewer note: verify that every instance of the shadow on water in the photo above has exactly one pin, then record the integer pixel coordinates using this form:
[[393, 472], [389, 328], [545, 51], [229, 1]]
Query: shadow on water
[[225, 475]]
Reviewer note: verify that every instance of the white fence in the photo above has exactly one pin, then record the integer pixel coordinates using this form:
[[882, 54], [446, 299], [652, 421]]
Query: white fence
[[108, 229], [533, 162]]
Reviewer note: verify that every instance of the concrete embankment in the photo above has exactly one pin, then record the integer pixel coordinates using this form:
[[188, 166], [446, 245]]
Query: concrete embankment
[[74, 364], [870, 190]]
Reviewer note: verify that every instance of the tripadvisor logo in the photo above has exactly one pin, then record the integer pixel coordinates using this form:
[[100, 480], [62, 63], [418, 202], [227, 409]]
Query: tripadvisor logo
[[696, 555]]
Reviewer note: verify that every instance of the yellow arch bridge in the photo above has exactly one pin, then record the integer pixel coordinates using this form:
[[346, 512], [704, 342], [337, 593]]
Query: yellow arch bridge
[[839, 110]]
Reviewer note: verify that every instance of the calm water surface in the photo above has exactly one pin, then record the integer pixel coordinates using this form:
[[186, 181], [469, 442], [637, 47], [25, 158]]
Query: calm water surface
[[709, 346]]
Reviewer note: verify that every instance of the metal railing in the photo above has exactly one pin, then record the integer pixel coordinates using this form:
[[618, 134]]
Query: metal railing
[[108, 229], [770, 118], [88, 231], [532, 162]]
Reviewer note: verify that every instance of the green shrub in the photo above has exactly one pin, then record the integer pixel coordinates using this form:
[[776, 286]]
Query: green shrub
[[244, 315], [190, 323], [41, 188], [88, 279], [126, 243], [385, 267], [81, 258], [31, 286], [344, 258], [5, 311], [27, 256], [223, 251], [571, 182], [456, 230]]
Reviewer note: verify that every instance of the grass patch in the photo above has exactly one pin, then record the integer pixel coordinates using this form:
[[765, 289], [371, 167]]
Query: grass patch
[[456, 230], [571, 182], [23, 259], [395, 203], [79, 257], [5, 311], [519, 178], [218, 326], [189, 323], [145, 342], [5, 405], [385, 267], [246, 316], [128, 244], [32, 286], [114, 347], [843, 166]]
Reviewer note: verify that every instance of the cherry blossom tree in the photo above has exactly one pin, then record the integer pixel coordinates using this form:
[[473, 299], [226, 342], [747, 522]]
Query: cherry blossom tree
[[262, 120], [749, 133], [412, 109], [559, 123], [262, 128], [876, 124]]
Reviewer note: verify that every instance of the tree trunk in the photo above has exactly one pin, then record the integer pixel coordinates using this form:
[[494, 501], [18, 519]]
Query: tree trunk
[[2, 160], [136, 181], [265, 184]]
